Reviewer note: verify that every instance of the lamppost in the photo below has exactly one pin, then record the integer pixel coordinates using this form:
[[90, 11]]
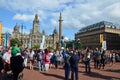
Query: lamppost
[[21, 34], [22, 27], [30, 41]]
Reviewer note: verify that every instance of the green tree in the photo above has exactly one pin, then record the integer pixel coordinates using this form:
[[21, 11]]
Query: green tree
[[78, 45], [15, 40], [69, 45], [36, 46]]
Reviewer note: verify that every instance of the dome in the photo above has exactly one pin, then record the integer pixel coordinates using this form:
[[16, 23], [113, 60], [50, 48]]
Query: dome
[[55, 31], [16, 28]]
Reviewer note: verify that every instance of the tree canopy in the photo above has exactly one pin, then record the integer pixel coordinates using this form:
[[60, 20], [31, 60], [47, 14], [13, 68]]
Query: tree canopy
[[77, 45], [15, 40]]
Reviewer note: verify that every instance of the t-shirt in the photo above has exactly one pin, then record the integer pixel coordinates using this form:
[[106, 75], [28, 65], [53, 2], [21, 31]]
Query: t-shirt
[[6, 57], [15, 50], [45, 58]]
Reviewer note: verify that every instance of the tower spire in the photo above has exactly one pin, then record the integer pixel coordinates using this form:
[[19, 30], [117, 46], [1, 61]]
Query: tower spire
[[60, 27], [36, 24]]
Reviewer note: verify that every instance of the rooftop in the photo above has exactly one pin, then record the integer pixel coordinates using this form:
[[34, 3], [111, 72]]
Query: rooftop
[[100, 25]]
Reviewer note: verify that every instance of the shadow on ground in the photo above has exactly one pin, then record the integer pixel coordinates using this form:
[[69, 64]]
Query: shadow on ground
[[54, 75], [97, 75], [117, 70]]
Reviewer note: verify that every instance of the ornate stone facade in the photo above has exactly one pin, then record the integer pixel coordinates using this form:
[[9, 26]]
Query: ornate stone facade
[[35, 37]]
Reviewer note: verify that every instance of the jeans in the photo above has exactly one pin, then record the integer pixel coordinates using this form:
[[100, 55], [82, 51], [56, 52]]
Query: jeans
[[40, 65], [67, 71], [102, 63], [98, 64], [87, 66], [56, 64], [74, 70]]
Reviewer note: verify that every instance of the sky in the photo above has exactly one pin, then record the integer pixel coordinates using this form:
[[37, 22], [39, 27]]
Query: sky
[[76, 14]]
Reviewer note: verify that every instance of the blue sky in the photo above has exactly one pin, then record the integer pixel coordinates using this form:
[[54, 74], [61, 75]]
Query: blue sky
[[76, 14]]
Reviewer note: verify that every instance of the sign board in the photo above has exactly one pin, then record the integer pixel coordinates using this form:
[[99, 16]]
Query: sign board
[[43, 42], [104, 45], [101, 38]]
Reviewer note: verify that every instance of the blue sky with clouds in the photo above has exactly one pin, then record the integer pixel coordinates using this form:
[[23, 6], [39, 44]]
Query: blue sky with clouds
[[76, 14]]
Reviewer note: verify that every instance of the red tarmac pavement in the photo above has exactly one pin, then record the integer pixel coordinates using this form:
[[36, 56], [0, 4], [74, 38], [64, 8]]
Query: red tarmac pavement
[[109, 73]]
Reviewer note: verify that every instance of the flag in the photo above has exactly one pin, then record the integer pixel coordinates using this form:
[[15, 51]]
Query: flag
[[43, 42], [30, 44], [7, 39]]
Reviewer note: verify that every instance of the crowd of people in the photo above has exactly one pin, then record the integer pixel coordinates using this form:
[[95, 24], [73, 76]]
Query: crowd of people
[[15, 60]]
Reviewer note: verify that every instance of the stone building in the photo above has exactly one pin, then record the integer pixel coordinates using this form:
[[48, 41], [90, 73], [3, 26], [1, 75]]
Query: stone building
[[35, 37], [0, 33], [102, 34]]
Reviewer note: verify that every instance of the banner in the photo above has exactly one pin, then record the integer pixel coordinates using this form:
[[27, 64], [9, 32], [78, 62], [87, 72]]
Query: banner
[[7, 39], [43, 42], [30, 44], [104, 46], [101, 38]]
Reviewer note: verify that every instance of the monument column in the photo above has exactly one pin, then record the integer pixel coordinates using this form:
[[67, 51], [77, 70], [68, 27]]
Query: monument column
[[60, 27]]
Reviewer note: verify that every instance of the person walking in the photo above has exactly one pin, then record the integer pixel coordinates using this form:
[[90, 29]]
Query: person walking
[[56, 57], [87, 61], [26, 55], [74, 60], [6, 60], [40, 60], [103, 58], [31, 58], [67, 65], [46, 59]]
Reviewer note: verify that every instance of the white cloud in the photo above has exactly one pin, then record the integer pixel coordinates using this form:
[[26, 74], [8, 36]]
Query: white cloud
[[75, 13], [84, 16], [23, 17], [113, 10], [54, 22], [6, 29]]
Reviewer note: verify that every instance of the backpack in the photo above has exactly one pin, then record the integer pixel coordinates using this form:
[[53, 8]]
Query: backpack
[[47, 58], [103, 56], [66, 59], [39, 56], [98, 55]]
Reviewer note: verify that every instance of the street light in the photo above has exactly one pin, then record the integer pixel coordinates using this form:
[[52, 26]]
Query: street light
[[21, 34], [22, 27]]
